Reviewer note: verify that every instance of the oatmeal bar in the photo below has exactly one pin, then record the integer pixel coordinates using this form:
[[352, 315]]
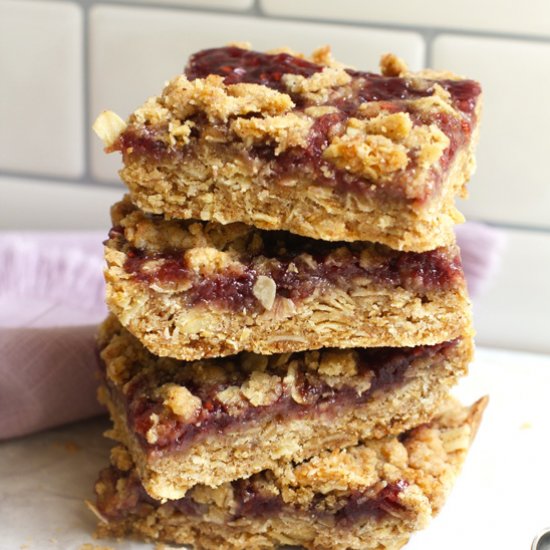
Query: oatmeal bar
[[309, 146], [191, 289], [217, 420], [371, 496]]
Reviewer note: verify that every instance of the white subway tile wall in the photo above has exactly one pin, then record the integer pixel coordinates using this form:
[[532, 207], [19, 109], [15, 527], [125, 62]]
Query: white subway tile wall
[[514, 312], [62, 62], [532, 17], [512, 183], [29, 203], [41, 99]]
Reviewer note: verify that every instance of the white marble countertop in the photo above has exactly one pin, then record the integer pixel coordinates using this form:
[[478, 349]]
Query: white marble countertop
[[500, 501]]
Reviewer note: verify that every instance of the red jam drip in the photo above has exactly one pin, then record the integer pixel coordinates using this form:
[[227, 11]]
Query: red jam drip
[[238, 65], [147, 142], [386, 366], [459, 133]]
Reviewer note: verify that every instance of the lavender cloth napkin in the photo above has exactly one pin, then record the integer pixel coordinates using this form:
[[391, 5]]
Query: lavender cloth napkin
[[51, 300]]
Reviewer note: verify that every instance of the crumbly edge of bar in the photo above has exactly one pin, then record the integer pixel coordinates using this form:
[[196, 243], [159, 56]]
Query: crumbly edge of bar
[[429, 459], [365, 315], [225, 191], [262, 444], [229, 243], [260, 534], [124, 357]]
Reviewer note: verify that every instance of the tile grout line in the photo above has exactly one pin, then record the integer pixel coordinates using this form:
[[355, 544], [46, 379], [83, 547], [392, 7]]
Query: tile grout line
[[86, 80], [166, 6], [429, 38], [82, 181], [256, 9]]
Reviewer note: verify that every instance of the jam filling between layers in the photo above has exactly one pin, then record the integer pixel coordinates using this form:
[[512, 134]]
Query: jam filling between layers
[[296, 276], [237, 65], [123, 500], [384, 368]]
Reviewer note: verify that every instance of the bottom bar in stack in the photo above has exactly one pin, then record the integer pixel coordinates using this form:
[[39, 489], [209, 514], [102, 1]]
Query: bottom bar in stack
[[212, 421], [370, 496]]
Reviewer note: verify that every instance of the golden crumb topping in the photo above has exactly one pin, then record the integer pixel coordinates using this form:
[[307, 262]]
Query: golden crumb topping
[[180, 401], [391, 65], [286, 131]]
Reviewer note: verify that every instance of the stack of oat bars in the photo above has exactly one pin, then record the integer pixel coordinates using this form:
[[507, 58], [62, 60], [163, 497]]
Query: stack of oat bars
[[289, 310]]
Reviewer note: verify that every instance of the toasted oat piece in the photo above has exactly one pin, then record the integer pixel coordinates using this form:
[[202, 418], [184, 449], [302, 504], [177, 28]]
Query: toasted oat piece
[[368, 497], [217, 420], [308, 146], [192, 289]]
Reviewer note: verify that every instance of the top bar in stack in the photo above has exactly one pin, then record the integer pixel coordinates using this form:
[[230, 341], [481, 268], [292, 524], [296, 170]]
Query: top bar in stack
[[280, 141]]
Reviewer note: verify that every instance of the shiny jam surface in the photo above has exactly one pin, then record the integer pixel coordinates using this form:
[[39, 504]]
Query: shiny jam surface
[[238, 65]]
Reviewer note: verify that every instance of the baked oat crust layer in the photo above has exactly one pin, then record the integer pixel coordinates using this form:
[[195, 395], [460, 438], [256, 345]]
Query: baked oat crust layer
[[212, 421], [304, 145], [368, 497], [191, 289]]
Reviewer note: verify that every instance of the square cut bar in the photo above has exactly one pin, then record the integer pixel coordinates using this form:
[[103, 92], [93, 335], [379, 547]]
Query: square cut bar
[[309, 146], [191, 289], [368, 497], [216, 420]]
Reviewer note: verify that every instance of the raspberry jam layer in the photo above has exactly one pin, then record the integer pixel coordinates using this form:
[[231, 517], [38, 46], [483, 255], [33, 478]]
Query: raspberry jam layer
[[382, 368], [396, 93], [122, 496], [315, 266], [254, 501]]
